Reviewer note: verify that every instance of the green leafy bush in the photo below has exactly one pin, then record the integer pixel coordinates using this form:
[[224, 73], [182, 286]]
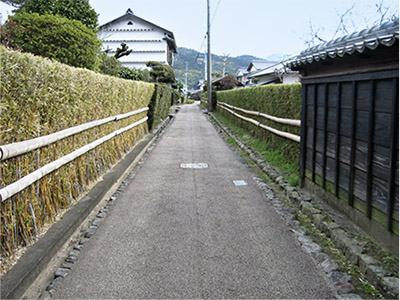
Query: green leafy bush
[[161, 72], [160, 104], [68, 41], [79, 10], [279, 100], [109, 65], [134, 74]]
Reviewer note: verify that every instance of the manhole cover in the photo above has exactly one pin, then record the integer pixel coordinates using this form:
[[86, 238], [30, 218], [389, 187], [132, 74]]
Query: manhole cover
[[194, 166], [240, 182]]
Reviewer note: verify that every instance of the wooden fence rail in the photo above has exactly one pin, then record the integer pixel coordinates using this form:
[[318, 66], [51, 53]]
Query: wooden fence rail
[[19, 148], [292, 122], [287, 135], [15, 149]]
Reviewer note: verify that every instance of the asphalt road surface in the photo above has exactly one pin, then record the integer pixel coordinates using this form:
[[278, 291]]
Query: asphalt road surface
[[184, 233]]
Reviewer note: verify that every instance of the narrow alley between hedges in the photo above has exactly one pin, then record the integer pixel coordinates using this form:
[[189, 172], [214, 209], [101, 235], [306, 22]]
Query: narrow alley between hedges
[[193, 223]]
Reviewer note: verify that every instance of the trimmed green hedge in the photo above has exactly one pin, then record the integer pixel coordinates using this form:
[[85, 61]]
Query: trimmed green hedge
[[279, 100], [159, 105]]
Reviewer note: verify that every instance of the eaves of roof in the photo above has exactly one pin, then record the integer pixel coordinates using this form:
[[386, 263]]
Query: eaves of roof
[[277, 69], [260, 64], [266, 71], [263, 82], [385, 34], [171, 39], [242, 71]]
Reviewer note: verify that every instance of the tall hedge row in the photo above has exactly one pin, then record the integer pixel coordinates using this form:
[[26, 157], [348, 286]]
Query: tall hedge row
[[280, 100], [38, 97], [160, 104]]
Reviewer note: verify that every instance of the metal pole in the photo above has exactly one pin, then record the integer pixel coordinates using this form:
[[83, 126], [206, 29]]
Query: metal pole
[[208, 58]]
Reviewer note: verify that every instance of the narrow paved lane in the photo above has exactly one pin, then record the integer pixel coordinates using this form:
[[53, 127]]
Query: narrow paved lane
[[191, 233]]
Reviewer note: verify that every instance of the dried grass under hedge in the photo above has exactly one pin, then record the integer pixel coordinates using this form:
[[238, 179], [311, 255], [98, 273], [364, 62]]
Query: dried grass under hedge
[[38, 97], [281, 100]]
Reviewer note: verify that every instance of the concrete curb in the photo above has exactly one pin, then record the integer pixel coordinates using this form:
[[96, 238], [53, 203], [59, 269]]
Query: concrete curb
[[386, 283], [19, 278]]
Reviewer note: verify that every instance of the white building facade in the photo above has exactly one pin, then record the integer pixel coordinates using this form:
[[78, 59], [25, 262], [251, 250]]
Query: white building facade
[[148, 42], [274, 74]]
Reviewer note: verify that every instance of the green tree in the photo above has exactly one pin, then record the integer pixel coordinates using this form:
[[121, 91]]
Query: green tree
[[123, 51], [161, 72], [134, 74], [109, 65], [79, 10], [55, 37]]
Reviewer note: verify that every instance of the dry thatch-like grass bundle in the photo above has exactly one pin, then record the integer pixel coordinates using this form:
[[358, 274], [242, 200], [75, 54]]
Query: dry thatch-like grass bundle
[[39, 97]]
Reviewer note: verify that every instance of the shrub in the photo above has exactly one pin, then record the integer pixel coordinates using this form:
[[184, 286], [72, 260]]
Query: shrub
[[279, 100], [161, 72], [109, 65], [79, 10], [67, 41], [134, 74], [159, 105]]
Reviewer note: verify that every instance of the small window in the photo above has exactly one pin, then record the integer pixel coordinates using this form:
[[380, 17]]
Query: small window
[[130, 23]]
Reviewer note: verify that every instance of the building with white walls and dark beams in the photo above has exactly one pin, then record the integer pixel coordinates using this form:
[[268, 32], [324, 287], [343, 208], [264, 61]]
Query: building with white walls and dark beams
[[148, 41]]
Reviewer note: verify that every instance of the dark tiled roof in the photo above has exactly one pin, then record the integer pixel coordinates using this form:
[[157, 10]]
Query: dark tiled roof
[[385, 34]]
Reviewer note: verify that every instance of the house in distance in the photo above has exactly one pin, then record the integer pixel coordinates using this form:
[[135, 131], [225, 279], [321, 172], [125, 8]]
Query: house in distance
[[148, 41]]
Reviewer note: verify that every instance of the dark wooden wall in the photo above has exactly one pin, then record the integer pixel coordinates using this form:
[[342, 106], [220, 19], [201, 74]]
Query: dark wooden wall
[[349, 142]]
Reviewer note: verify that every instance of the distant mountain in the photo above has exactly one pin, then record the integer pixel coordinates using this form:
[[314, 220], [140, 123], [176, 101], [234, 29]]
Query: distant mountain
[[196, 64]]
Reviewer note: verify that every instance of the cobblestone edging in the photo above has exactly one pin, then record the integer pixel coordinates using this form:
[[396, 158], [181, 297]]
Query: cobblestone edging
[[65, 268], [385, 282]]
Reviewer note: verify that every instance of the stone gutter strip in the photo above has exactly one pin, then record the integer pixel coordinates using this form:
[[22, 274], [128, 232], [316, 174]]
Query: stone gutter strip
[[386, 283], [19, 278], [340, 282]]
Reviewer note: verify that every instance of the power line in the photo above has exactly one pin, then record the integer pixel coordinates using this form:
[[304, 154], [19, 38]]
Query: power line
[[215, 12], [205, 36], [201, 48]]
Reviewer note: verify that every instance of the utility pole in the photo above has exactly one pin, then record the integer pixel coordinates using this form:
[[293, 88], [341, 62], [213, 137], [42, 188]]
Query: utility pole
[[205, 65], [208, 58], [186, 75]]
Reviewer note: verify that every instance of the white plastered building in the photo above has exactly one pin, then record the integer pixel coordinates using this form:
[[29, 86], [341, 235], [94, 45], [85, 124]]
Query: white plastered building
[[148, 41]]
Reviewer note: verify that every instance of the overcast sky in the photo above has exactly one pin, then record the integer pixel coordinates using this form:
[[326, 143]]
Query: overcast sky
[[256, 27]]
